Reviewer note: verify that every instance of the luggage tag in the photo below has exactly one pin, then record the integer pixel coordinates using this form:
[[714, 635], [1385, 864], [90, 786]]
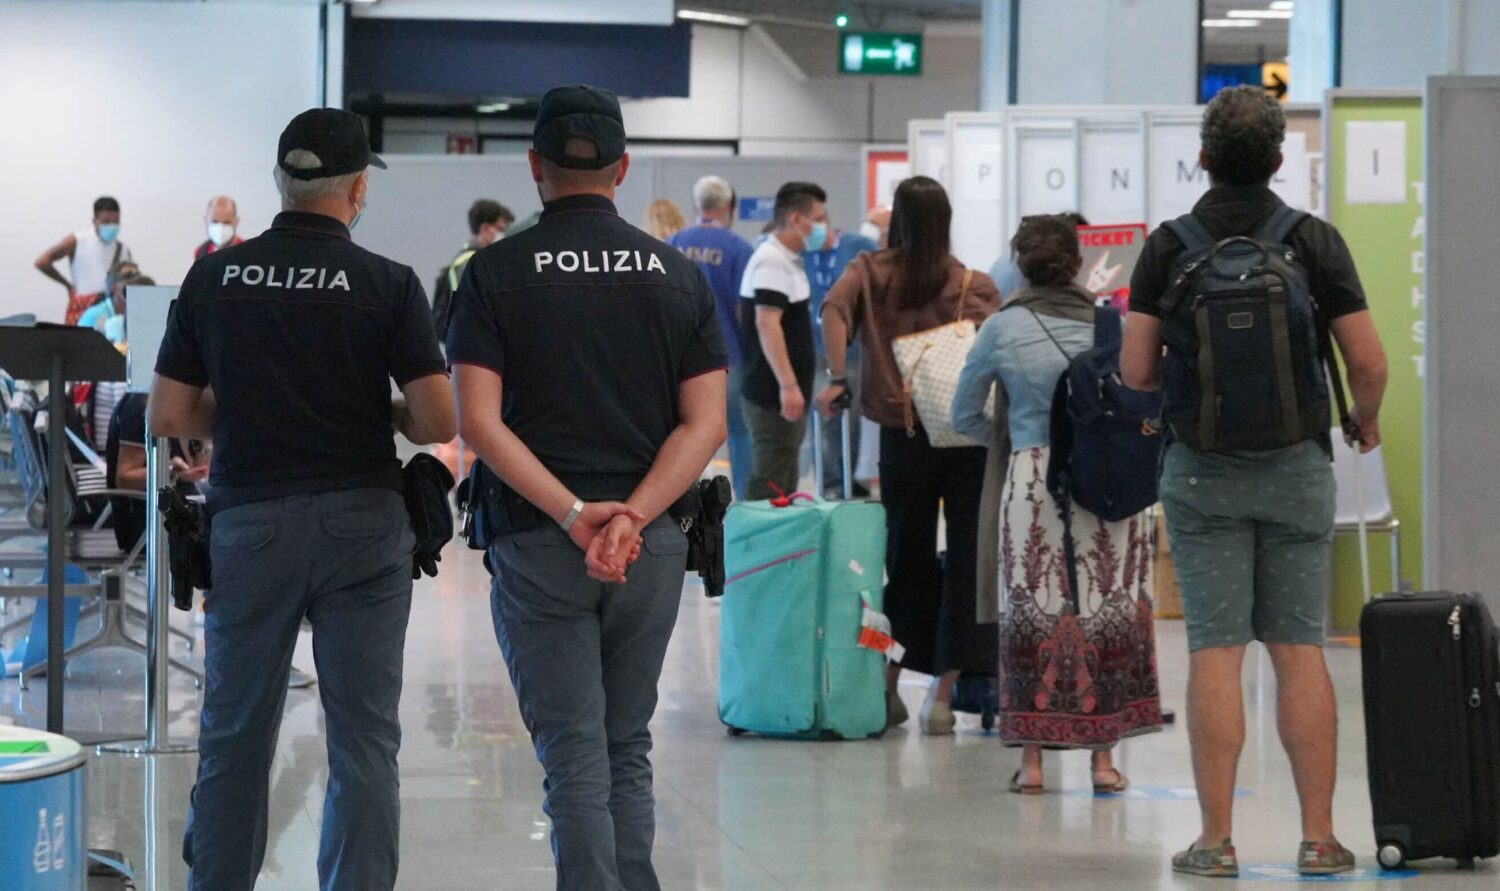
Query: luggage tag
[[875, 634]]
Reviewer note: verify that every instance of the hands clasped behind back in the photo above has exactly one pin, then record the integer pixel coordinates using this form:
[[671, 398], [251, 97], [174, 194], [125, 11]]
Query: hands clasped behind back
[[609, 534]]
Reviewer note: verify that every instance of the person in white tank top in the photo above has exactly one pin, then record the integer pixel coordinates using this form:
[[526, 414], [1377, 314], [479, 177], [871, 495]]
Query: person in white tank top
[[91, 253]]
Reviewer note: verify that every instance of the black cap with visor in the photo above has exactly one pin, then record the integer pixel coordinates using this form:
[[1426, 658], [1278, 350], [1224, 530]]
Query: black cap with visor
[[336, 136], [583, 112]]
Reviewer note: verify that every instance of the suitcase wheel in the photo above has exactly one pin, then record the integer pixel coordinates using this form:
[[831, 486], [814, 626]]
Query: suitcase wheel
[[1391, 855], [734, 731]]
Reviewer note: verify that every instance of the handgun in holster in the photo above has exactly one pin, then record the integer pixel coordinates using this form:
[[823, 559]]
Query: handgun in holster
[[700, 513], [187, 526]]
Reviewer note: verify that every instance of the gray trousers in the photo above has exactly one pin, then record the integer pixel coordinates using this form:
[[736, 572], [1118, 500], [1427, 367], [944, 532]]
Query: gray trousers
[[585, 658], [342, 560]]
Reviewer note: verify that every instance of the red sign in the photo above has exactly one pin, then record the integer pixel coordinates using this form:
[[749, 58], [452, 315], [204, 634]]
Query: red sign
[[462, 145], [1109, 257]]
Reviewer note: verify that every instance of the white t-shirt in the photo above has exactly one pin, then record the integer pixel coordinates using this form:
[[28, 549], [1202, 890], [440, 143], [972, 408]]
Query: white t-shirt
[[775, 267], [775, 277]]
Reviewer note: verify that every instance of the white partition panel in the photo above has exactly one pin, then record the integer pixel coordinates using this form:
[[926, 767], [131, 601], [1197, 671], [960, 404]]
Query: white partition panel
[[975, 150], [1175, 180], [1112, 159], [1044, 167], [1293, 182], [927, 145]]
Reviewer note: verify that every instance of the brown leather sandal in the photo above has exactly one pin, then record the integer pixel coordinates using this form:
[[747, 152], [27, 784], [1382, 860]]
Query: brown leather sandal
[[1019, 789]]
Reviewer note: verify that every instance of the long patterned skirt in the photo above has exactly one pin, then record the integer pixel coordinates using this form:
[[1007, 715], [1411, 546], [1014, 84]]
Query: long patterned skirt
[[1076, 672]]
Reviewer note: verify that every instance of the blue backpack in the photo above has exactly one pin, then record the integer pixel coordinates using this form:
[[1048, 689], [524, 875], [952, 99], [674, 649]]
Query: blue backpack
[[1106, 438], [1246, 343]]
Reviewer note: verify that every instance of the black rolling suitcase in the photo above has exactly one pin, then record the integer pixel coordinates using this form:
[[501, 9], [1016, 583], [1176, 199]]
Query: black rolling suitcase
[[1432, 726]]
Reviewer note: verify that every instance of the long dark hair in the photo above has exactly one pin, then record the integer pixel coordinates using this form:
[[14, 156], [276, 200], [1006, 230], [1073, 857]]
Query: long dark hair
[[1047, 250], [920, 219]]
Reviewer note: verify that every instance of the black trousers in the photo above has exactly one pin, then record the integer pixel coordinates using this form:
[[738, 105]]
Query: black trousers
[[930, 603]]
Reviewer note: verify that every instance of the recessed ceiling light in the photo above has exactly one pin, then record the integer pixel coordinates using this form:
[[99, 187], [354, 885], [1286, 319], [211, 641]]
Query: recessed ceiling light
[[1281, 4], [1230, 23], [1260, 13], [492, 107], [714, 18]]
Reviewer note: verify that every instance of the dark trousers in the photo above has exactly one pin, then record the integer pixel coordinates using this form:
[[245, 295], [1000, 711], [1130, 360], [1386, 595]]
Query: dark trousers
[[585, 658], [342, 560], [931, 606], [777, 448]]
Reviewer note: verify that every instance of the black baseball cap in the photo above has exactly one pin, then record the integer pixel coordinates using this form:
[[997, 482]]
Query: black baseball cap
[[336, 136], [585, 112]]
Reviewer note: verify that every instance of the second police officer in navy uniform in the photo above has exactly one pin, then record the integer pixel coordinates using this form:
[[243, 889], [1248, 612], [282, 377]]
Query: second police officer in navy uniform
[[591, 375]]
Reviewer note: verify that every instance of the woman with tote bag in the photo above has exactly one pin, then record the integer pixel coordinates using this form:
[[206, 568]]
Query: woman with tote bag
[[916, 287]]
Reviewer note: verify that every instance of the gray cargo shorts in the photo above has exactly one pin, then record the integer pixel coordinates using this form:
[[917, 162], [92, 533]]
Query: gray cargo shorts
[[1252, 542]]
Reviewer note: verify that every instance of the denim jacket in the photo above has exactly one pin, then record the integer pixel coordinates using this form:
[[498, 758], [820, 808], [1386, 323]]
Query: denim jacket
[[1015, 355]]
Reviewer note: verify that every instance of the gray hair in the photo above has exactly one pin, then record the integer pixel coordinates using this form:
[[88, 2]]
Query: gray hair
[[712, 193], [1242, 132], [296, 192]]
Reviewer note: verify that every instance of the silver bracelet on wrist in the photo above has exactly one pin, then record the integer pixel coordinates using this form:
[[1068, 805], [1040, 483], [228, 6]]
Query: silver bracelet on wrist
[[572, 517]]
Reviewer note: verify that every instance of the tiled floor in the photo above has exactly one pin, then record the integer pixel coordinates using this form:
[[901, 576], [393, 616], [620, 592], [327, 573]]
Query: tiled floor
[[902, 812]]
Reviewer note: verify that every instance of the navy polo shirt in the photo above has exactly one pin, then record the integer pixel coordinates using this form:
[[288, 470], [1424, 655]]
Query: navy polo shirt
[[300, 332], [723, 256], [592, 325]]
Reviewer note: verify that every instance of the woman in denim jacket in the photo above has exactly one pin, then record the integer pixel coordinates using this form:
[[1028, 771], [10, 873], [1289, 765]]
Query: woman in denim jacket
[[1077, 669]]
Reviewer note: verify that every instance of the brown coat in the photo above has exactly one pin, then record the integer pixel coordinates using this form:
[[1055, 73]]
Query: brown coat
[[877, 320]]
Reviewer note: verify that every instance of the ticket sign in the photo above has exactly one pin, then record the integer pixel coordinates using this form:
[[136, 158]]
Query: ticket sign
[[875, 52], [1109, 257]]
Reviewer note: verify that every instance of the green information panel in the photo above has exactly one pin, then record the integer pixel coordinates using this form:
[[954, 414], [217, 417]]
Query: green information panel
[[1375, 158], [874, 52]]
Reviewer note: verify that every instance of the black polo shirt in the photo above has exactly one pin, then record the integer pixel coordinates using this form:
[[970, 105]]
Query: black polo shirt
[[592, 325], [300, 332], [1239, 210]]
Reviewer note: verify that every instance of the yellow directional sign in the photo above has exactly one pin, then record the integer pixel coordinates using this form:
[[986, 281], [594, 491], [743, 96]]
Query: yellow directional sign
[[1275, 76]]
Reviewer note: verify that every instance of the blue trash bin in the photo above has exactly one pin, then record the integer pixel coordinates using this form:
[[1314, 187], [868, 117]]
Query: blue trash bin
[[41, 811]]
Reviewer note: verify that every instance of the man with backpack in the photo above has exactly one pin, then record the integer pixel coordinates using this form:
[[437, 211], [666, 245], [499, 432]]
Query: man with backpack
[[1248, 296]]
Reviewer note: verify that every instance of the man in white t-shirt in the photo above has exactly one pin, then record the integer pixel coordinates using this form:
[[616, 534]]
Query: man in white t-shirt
[[91, 253], [778, 349]]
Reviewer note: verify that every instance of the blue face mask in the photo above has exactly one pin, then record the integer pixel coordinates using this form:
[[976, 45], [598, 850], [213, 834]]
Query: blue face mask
[[817, 238], [358, 215], [108, 232]]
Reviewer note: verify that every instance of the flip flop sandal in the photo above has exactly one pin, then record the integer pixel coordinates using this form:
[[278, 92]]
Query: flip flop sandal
[[1018, 789], [1119, 785]]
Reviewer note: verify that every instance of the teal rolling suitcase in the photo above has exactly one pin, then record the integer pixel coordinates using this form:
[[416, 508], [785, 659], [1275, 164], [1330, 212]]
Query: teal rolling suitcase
[[798, 582]]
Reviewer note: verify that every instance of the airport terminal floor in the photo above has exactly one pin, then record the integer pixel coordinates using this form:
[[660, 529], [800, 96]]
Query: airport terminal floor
[[906, 811]]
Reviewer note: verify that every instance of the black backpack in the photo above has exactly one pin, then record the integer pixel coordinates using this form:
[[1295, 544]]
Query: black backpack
[[1246, 342], [1105, 437]]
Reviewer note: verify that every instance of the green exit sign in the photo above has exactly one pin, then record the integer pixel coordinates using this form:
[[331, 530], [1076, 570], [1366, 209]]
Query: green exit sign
[[874, 52]]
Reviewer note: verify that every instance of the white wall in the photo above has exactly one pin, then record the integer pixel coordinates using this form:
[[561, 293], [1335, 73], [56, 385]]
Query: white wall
[[1398, 43], [1116, 52], [162, 105]]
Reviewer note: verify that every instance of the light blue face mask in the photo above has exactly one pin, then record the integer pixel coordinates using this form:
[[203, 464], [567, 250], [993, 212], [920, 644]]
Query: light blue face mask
[[817, 238], [358, 215], [108, 232]]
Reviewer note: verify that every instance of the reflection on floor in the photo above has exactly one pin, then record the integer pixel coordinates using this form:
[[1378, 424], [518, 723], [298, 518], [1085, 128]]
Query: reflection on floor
[[902, 812]]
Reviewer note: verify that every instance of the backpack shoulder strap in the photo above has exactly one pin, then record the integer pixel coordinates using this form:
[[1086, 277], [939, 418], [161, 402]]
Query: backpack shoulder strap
[[1280, 225], [1107, 328], [1048, 331], [1191, 232]]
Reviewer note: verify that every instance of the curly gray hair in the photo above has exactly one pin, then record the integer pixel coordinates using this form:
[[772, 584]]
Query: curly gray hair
[[1242, 132]]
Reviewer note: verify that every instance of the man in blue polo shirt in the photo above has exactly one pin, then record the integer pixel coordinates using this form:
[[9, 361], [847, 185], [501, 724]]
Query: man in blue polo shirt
[[824, 267], [723, 255]]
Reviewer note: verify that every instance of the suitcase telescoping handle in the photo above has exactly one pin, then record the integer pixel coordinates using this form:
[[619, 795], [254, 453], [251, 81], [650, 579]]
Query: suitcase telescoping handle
[[841, 413]]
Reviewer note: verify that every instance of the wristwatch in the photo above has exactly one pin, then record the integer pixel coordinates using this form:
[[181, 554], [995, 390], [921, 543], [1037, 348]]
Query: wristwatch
[[572, 517]]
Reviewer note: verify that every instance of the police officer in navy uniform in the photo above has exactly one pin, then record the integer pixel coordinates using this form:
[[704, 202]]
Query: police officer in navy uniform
[[282, 350], [591, 374]]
